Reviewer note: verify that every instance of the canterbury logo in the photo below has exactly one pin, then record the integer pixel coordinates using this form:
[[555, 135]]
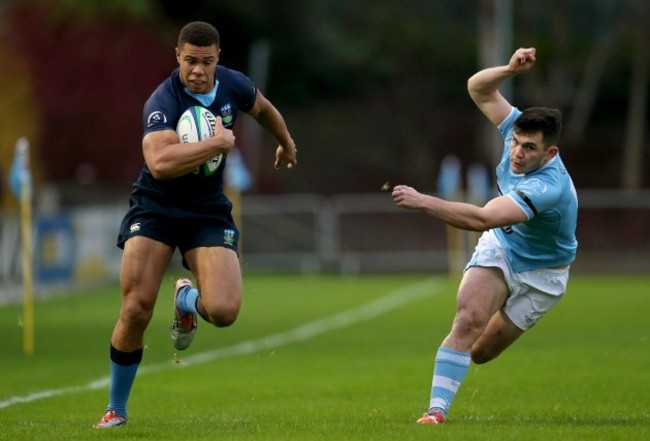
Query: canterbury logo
[[135, 227]]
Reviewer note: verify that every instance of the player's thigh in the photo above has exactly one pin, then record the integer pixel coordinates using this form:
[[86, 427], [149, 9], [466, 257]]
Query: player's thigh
[[482, 291], [218, 275], [144, 262]]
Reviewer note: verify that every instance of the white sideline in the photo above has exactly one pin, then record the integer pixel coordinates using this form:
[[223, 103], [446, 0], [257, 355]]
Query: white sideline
[[309, 330]]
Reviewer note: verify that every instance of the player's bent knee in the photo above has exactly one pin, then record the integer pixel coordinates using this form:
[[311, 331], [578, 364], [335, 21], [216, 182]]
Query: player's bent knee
[[468, 325], [136, 314], [222, 316], [481, 355], [226, 318]]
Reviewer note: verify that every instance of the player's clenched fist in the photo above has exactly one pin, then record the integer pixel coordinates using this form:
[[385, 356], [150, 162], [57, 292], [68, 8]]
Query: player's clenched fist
[[407, 197], [522, 60]]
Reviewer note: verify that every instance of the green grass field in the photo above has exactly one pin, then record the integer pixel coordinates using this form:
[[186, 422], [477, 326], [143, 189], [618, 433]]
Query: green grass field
[[329, 358]]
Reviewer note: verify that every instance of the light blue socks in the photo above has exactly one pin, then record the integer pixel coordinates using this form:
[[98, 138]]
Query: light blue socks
[[186, 300], [124, 366], [449, 372]]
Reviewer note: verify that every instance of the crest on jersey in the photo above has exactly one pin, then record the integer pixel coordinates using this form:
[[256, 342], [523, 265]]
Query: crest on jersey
[[226, 114], [229, 237], [535, 185]]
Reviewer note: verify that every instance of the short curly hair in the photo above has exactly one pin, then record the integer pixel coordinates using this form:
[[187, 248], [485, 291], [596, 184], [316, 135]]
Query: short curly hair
[[198, 33]]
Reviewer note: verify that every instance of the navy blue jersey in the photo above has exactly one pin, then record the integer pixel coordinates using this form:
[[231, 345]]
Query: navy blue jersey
[[232, 92]]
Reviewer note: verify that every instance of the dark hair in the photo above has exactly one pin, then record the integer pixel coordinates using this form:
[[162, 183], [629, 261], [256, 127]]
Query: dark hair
[[198, 33], [541, 119]]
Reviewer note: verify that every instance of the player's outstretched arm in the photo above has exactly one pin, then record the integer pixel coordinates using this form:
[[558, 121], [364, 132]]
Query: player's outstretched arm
[[483, 87], [498, 212]]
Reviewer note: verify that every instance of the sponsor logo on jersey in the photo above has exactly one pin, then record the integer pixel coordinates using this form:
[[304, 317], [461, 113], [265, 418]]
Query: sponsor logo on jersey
[[135, 227]]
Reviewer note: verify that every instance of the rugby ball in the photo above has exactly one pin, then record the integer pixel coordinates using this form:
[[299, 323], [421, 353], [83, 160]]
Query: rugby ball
[[196, 124]]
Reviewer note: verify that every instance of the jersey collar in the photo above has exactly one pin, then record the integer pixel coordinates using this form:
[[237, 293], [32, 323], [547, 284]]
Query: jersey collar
[[204, 98]]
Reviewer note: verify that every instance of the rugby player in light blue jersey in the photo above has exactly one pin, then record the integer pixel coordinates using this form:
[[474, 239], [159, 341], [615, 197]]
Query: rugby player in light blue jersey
[[179, 202], [520, 267]]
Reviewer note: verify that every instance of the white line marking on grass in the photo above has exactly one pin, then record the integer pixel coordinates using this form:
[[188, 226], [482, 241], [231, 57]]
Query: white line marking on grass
[[304, 332]]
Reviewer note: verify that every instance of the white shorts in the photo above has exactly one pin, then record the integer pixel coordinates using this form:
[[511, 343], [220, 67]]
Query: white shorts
[[532, 293]]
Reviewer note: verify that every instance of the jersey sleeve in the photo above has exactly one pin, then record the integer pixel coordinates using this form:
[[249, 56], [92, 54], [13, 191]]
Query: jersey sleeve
[[244, 89], [160, 111], [506, 126], [535, 194]]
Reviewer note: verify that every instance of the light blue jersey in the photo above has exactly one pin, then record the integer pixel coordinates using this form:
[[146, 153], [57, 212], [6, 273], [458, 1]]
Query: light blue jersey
[[548, 197]]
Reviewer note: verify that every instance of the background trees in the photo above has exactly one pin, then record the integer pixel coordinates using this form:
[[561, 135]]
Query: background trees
[[373, 90]]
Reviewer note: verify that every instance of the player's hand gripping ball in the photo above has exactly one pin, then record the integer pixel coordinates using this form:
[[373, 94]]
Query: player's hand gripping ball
[[196, 124]]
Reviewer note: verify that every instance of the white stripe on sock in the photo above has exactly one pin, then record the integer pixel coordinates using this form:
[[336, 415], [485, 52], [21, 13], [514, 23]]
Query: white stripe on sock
[[446, 383]]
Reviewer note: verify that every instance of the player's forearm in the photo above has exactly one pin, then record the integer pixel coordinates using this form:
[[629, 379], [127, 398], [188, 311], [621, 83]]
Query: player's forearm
[[176, 160], [483, 85], [457, 214], [273, 123]]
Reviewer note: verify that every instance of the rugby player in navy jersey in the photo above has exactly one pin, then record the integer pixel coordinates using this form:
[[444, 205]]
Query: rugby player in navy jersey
[[520, 267], [178, 202]]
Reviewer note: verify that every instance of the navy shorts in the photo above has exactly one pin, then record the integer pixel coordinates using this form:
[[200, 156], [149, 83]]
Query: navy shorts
[[181, 227]]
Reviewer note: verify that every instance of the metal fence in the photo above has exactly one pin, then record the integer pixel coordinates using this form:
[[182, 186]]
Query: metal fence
[[346, 233], [353, 233]]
